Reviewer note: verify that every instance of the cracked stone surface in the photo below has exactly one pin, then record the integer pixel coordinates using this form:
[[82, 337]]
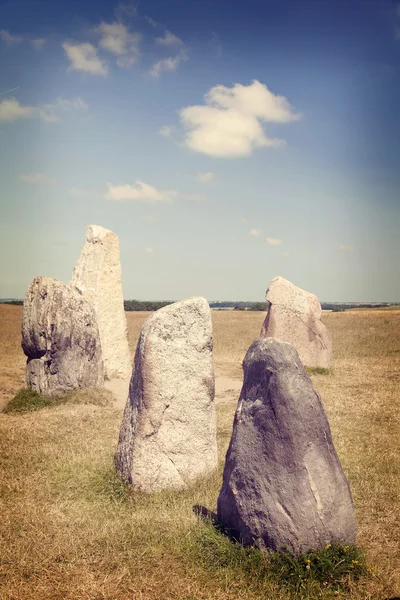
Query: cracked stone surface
[[97, 276], [283, 484], [294, 316], [61, 339], [168, 432]]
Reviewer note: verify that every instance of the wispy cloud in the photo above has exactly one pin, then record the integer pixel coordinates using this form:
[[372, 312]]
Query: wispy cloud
[[346, 248], [274, 241], [168, 39], [38, 43], [51, 112], [229, 124], [168, 64], [126, 10], [204, 177], [242, 220], [12, 110], [167, 130], [84, 57], [120, 41], [215, 42], [141, 192], [38, 179], [255, 232], [11, 39], [286, 254], [6, 36], [149, 250]]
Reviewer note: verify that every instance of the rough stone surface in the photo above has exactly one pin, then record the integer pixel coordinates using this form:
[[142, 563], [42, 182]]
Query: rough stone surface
[[61, 339], [168, 432], [97, 276], [283, 484], [294, 317]]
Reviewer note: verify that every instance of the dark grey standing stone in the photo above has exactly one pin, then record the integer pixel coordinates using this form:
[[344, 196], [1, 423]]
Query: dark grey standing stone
[[61, 339], [283, 484]]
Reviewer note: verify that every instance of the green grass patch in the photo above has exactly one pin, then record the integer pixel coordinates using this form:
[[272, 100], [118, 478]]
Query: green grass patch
[[319, 371], [330, 570], [27, 400]]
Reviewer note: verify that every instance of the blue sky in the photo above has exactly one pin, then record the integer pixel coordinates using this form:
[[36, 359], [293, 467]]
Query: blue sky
[[225, 142]]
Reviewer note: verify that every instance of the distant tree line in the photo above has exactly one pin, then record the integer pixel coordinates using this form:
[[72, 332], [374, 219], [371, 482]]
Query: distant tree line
[[152, 305], [14, 302], [145, 305], [337, 307]]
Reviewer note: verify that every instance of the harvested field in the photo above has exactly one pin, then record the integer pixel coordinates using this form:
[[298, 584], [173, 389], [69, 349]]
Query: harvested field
[[70, 530]]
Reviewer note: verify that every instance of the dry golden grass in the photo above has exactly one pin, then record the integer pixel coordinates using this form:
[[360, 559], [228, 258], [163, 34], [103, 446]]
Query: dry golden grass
[[69, 530]]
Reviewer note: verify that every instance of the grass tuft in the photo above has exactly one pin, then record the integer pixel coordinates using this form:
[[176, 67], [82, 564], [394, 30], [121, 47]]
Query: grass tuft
[[27, 400], [319, 371], [332, 568]]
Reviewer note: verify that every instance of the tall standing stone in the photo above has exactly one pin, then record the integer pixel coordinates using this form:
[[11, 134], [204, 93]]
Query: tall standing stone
[[168, 432], [283, 484], [294, 316], [61, 339], [97, 276]]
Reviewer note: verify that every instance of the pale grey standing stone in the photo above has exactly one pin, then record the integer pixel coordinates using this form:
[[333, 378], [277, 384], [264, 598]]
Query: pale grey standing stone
[[168, 432], [283, 484], [61, 339], [294, 316], [97, 276]]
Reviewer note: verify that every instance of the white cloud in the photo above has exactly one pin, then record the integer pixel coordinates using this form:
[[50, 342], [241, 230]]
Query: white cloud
[[168, 64], [346, 248], [274, 241], [149, 250], [168, 39], [141, 193], [12, 110], [286, 254], [204, 177], [80, 194], [83, 57], [117, 39], [6, 36], [230, 122], [38, 179], [166, 130], [255, 232], [243, 220]]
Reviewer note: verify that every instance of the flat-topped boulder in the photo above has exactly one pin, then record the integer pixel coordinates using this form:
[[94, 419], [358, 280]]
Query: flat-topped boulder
[[97, 276], [61, 339], [168, 433], [283, 485], [294, 316]]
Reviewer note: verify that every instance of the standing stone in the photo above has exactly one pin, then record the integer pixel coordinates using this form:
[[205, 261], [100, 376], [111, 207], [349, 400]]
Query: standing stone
[[168, 432], [97, 275], [283, 484], [294, 316], [61, 339]]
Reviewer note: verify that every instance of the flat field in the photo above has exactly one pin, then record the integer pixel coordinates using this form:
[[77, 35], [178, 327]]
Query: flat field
[[70, 531]]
